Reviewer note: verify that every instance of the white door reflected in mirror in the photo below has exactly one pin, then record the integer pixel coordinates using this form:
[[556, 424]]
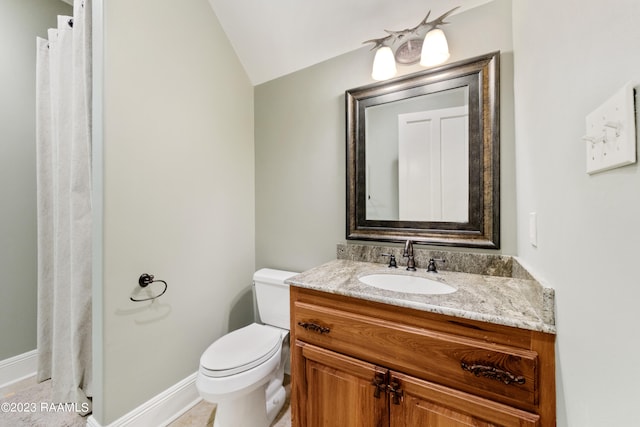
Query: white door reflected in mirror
[[417, 158]]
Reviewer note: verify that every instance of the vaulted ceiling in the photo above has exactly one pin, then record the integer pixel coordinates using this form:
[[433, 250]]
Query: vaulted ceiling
[[273, 38]]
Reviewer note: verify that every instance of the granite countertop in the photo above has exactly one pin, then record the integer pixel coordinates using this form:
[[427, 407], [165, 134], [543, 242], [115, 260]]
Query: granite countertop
[[518, 302]]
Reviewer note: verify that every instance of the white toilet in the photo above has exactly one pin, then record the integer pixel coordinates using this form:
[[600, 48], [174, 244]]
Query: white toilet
[[242, 372]]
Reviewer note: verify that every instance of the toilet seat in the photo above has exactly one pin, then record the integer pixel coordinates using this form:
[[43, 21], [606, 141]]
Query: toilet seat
[[240, 350]]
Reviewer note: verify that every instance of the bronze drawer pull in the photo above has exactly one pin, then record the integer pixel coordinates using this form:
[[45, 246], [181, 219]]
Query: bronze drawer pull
[[314, 327], [493, 373]]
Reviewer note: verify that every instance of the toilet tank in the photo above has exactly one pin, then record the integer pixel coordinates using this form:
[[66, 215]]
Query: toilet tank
[[272, 296]]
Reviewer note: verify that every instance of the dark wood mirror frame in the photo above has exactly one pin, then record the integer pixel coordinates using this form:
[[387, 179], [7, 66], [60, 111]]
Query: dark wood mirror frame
[[482, 76]]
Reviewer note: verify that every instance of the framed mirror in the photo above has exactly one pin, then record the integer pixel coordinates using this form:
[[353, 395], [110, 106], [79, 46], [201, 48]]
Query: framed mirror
[[423, 156]]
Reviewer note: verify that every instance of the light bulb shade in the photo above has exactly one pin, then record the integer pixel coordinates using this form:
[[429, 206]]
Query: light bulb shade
[[435, 49], [384, 64]]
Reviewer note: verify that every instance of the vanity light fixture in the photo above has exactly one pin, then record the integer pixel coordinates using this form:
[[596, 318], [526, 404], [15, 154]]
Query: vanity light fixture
[[425, 42]]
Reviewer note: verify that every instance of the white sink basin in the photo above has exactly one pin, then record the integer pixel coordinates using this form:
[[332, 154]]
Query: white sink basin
[[406, 283]]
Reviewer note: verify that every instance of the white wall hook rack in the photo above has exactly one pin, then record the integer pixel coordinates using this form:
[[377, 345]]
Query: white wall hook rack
[[611, 131]]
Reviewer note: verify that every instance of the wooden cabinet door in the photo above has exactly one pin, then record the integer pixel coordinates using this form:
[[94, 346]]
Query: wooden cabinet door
[[340, 391], [421, 403]]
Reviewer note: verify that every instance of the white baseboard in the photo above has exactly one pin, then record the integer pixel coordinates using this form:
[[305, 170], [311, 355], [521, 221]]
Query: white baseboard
[[18, 368], [161, 410]]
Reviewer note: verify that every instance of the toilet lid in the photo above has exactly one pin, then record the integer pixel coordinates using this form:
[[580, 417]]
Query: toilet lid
[[241, 350]]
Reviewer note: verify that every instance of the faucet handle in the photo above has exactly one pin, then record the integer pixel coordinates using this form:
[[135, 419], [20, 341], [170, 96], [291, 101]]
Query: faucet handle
[[431, 268], [392, 260]]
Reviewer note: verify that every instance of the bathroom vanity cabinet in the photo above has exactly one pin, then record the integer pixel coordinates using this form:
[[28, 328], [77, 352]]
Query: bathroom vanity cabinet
[[361, 363]]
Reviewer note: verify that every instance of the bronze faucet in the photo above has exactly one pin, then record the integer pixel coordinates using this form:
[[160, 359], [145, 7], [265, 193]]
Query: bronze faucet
[[408, 253]]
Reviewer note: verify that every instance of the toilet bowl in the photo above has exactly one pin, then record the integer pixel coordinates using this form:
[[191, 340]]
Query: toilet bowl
[[242, 372]]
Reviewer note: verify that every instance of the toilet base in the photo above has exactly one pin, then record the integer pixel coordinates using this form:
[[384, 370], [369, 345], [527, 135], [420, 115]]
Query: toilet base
[[256, 409], [275, 402]]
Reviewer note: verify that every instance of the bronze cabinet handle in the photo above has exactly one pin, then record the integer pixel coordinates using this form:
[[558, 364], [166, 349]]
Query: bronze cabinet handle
[[380, 384], [314, 327], [396, 391], [493, 373]]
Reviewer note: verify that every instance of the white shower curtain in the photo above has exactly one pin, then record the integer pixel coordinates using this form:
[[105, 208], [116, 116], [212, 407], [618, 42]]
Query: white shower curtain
[[63, 142]]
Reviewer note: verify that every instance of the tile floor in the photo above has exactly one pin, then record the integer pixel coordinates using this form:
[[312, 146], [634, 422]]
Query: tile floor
[[29, 392]]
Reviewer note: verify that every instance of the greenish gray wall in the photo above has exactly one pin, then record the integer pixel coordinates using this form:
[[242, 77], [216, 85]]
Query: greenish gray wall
[[300, 144], [177, 196], [21, 22], [588, 235]]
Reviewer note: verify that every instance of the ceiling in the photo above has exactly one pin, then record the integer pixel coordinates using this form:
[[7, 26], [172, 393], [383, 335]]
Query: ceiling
[[273, 38]]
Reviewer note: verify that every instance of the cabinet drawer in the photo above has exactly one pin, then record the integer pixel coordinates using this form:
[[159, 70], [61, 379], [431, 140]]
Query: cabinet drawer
[[499, 372]]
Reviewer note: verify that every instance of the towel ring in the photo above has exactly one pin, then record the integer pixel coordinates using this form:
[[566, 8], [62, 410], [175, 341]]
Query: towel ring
[[145, 280]]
